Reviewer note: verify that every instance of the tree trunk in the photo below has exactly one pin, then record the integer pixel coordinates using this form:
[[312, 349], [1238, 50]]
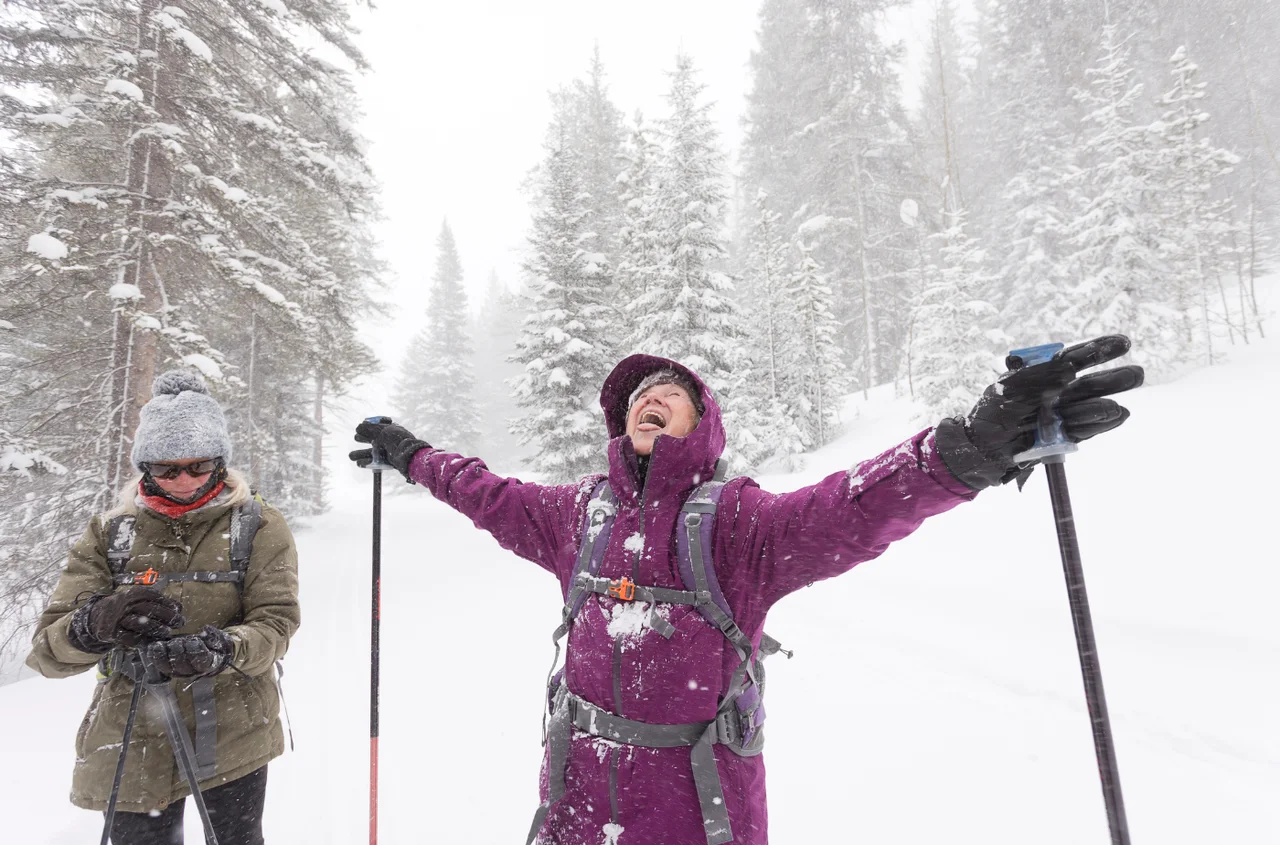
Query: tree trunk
[[868, 326], [251, 424], [317, 454], [149, 180]]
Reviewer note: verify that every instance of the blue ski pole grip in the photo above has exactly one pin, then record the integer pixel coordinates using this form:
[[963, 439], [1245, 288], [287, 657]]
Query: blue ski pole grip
[[379, 462], [1051, 444]]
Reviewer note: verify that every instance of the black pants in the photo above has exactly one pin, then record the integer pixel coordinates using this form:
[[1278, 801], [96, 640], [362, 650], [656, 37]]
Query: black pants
[[235, 809]]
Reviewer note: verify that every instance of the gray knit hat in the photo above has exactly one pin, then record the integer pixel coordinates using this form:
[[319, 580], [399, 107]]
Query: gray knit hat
[[182, 421], [667, 376]]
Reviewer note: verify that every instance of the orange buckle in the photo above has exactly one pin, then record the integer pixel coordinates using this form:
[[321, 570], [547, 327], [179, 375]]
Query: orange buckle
[[146, 578], [624, 590]]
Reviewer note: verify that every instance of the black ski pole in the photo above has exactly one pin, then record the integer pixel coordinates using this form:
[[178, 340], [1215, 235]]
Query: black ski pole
[[179, 739], [1052, 447], [124, 751], [378, 464]]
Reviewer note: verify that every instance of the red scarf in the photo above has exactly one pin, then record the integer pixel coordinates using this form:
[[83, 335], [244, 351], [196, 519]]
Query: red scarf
[[172, 509]]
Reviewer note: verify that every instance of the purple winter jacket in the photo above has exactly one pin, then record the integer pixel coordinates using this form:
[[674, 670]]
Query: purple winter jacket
[[765, 546]]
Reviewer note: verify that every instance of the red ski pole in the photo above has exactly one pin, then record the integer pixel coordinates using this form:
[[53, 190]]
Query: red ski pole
[[378, 465]]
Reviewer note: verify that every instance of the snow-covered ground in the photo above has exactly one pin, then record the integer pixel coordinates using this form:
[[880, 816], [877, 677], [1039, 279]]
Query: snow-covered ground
[[935, 695]]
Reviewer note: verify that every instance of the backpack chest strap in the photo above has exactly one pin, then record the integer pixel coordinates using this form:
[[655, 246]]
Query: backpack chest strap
[[151, 577]]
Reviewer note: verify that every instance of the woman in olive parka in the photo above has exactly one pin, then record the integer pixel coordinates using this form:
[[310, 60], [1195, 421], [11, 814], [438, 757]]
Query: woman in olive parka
[[217, 636]]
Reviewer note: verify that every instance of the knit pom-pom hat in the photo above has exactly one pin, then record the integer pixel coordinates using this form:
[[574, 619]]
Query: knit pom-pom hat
[[182, 421]]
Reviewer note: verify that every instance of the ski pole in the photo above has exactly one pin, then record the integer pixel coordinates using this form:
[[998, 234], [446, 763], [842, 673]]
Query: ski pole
[[124, 750], [1051, 447], [158, 685], [378, 464]]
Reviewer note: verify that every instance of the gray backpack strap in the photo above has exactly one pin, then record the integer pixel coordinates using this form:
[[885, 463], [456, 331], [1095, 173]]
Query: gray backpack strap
[[205, 704], [597, 525], [246, 519], [120, 531]]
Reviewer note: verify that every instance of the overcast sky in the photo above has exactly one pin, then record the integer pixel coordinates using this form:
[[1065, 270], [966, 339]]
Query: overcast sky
[[457, 105]]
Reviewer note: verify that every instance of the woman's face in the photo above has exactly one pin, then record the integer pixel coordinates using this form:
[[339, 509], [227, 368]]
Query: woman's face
[[184, 487], [662, 409]]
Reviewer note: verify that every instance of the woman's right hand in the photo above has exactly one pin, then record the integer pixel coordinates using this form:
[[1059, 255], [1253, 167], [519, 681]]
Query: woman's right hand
[[125, 618]]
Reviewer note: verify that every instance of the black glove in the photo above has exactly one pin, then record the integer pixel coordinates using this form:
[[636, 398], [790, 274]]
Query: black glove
[[979, 448], [125, 618], [395, 441], [193, 655]]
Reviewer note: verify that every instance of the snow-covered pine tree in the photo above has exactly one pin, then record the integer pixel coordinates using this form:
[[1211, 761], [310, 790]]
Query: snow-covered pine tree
[[593, 129], [185, 164], [639, 234], [435, 393], [828, 139], [1199, 224], [945, 100], [775, 389], [688, 313], [816, 364], [1031, 268], [496, 330], [787, 81], [567, 340], [1115, 237], [954, 361]]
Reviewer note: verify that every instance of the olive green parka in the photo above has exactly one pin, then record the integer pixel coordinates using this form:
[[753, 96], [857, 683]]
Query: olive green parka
[[260, 622]]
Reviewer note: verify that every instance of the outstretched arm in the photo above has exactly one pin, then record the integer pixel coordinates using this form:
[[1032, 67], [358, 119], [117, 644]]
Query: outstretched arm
[[535, 521], [789, 540]]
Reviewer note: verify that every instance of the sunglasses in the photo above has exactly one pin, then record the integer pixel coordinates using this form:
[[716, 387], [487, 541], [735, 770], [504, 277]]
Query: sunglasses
[[171, 471]]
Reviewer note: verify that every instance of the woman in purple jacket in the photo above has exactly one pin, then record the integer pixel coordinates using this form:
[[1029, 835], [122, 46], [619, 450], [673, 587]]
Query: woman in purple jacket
[[641, 739]]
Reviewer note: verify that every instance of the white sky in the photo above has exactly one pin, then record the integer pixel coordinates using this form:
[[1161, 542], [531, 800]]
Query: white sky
[[456, 108]]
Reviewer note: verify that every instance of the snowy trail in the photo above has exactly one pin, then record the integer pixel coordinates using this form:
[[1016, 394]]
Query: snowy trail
[[934, 697]]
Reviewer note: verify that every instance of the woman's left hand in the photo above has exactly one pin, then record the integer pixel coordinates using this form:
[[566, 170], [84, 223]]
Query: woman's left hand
[[193, 655]]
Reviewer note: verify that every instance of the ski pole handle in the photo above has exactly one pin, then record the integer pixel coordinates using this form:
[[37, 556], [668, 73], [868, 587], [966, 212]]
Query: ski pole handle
[[379, 456], [1052, 445]]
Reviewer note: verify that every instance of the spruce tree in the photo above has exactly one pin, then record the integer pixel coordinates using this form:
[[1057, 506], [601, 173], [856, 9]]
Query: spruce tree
[[775, 390], [816, 364], [1198, 224], [497, 328], [1032, 268], [435, 394], [593, 129], [955, 355], [688, 313], [1117, 245], [640, 247], [565, 344]]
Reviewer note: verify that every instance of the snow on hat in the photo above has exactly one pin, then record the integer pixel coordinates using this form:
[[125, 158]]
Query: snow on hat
[[669, 376], [182, 421]]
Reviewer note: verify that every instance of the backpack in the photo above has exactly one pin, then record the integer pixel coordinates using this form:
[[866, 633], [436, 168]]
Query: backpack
[[246, 519], [741, 714]]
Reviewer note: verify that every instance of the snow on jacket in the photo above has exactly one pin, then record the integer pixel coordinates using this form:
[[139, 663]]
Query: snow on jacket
[[261, 622], [765, 546]]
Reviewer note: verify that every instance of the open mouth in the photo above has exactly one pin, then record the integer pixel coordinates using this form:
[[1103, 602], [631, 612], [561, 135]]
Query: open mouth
[[651, 421]]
